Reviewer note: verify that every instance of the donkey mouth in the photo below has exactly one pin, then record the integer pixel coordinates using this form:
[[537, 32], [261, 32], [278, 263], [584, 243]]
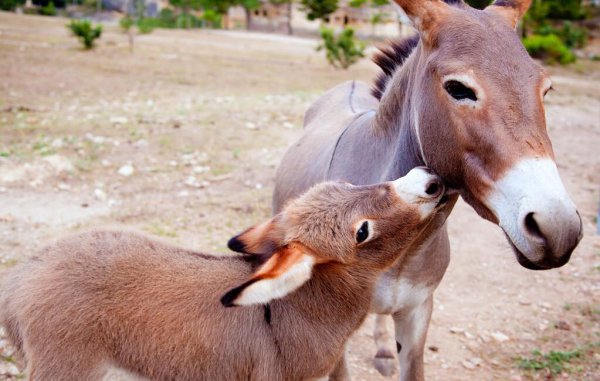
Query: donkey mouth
[[446, 197], [542, 265]]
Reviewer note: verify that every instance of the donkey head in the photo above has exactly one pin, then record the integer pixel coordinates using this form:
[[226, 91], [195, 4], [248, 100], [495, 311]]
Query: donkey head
[[477, 107], [364, 227]]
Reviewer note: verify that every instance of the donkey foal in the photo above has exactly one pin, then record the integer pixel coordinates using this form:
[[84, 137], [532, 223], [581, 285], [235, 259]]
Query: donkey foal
[[108, 298]]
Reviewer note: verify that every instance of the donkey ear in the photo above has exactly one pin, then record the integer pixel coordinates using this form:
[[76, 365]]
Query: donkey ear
[[260, 239], [510, 10], [287, 269], [425, 16]]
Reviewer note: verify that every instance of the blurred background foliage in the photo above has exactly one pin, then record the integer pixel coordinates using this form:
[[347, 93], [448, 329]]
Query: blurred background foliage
[[553, 30]]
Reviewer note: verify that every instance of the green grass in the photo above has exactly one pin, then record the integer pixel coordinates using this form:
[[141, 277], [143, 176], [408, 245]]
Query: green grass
[[557, 362], [161, 230], [554, 361]]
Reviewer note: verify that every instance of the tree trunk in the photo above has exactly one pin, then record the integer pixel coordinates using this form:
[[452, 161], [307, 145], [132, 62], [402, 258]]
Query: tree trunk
[[289, 18], [130, 33], [248, 18]]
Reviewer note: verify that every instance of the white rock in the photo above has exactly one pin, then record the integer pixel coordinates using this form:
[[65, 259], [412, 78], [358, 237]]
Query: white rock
[[59, 163], [57, 143], [9, 369], [126, 170], [95, 139], [105, 163], [99, 194], [288, 125], [251, 126], [118, 119], [456, 330], [64, 187], [500, 337], [200, 168]]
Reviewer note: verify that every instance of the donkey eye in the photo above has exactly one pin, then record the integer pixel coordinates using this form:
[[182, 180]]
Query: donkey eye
[[363, 232], [459, 91]]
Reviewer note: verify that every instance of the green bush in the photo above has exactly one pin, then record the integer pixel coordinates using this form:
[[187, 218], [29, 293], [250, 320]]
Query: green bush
[[341, 51], [10, 5], [146, 25], [548, 48], [48, 10], [126, 23], [571, 35], [211, 18], [85, 32]]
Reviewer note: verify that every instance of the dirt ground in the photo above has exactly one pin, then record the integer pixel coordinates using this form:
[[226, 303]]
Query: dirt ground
[[181, 139]]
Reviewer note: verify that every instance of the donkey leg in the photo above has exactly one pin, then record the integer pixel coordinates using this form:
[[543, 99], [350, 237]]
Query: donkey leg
[[340, 372], [384, 358], [411, 333]]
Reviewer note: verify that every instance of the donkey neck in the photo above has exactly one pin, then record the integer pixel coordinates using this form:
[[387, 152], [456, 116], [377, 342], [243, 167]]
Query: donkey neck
[[395, 117]]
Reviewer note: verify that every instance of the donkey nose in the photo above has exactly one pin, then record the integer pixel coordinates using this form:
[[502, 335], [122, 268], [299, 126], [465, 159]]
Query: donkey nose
[[434, 188], [556, 231], [420, 184]]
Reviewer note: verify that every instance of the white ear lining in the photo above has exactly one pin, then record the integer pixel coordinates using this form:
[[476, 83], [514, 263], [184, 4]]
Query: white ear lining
[[265, 290]]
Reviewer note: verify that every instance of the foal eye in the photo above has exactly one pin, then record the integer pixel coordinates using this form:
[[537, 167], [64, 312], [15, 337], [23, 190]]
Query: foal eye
[[459, 91], [363, 232]]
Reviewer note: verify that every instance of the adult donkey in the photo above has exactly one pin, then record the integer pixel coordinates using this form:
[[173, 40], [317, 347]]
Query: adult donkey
[[465, 99]]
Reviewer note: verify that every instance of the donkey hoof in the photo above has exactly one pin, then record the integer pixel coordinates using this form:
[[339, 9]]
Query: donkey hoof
[[384, 362]]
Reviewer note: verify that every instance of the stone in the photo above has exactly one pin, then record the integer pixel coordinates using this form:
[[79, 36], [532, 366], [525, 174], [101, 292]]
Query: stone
[[126, 170]]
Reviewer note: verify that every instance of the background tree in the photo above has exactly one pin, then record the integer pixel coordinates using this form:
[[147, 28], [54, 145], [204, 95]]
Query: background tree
[[288, 4], [10, 5], [185, 7], [319, 9], [249, 6]]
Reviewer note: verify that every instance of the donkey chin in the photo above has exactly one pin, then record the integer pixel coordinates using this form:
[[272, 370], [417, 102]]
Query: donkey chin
[[537, 215]]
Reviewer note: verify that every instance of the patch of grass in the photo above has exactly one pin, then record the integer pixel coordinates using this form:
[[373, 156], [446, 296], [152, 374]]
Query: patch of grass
[[161, 230], [567, 307], [8, 263], [221, 169], [555, 362], [4, 154], [9, 359]]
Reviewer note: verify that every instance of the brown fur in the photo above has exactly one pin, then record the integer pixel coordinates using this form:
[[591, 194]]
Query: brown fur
[[106, 298]]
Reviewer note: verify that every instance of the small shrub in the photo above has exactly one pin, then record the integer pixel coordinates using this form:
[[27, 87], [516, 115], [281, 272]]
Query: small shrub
[[126, 23], [548, 48], [554, 361], [571, 35], [48, 10], [85, 32], [146, 25], [211, 18], [341, 51]]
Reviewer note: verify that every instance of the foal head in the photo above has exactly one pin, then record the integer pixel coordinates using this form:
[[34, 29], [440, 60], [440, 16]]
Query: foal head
[[364, 227], [477, 108]]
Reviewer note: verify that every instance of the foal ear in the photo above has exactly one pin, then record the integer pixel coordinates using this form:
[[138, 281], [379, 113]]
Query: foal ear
[[510, 10], [425, 16], [262, 239], [287, 269]]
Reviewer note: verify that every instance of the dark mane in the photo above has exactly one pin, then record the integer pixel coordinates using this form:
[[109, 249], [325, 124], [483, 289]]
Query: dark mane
[[391, 57]]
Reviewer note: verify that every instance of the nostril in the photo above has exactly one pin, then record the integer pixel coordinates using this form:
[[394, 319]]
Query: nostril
[[532, 226], [433, 188]]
